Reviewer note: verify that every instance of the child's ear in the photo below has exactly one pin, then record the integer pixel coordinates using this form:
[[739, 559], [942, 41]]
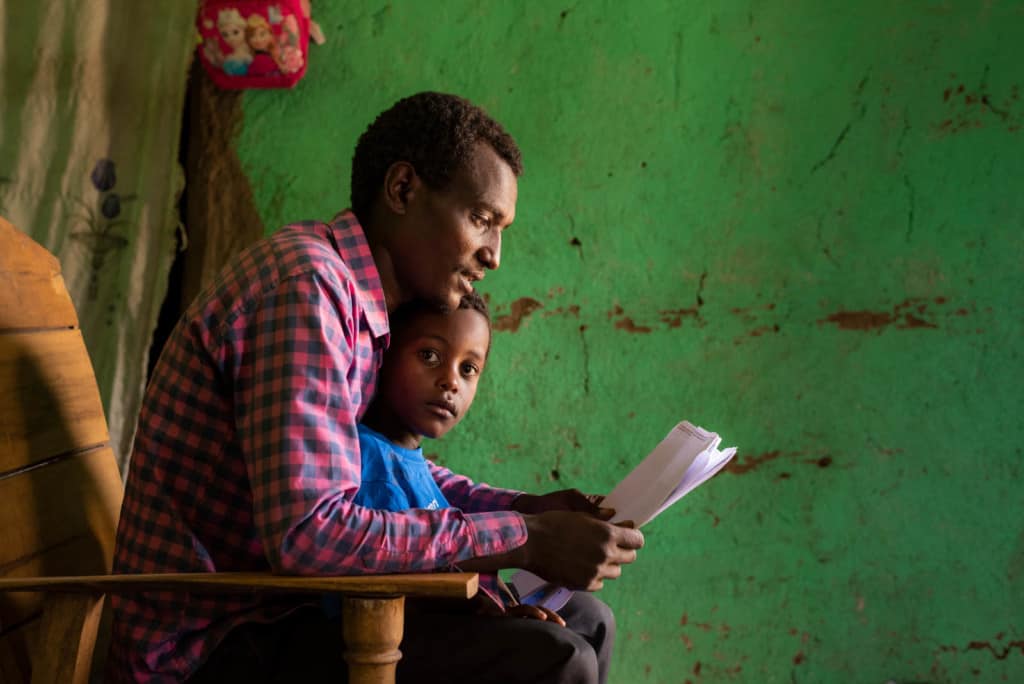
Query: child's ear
[[400, 185]]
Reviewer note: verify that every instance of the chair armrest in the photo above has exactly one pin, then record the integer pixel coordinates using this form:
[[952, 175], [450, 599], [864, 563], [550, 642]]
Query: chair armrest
[[438, 585]]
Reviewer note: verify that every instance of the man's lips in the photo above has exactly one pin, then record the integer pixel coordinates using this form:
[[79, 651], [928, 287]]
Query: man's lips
[[443, 406], [471, 277]]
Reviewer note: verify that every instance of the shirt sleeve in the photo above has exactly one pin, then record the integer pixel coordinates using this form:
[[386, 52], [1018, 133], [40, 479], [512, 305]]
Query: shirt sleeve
[[295, 404], [471, 497]]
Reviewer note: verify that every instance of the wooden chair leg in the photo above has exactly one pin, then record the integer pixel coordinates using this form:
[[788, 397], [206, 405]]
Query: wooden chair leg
[[67, 639], [372, 628]]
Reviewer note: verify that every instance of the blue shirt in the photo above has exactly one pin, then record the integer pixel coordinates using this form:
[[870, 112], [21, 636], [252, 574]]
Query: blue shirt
[[394, 478]]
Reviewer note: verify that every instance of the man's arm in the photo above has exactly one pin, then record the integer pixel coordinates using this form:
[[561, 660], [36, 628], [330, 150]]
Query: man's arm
[[296, 418], [582, 554], [470, 496]]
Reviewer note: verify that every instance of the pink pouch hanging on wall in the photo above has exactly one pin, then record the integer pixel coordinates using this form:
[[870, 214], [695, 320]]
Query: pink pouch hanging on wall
[[254, 43]]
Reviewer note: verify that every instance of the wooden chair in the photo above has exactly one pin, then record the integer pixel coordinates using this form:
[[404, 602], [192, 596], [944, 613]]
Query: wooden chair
[[60, 496]]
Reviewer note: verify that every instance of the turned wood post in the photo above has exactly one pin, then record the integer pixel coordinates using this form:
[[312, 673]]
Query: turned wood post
[[372, 628]]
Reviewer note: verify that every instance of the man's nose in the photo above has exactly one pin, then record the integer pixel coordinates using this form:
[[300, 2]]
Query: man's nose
[[490, 254]]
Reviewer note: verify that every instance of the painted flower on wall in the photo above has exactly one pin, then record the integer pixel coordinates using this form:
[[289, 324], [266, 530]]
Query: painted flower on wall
[[104, 175], [95, 221]]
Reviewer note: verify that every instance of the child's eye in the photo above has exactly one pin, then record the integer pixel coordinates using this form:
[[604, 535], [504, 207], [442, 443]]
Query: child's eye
[[469, 370], [429, 357]]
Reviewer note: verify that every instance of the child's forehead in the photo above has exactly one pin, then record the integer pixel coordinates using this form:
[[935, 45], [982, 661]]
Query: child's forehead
[[458, 326]]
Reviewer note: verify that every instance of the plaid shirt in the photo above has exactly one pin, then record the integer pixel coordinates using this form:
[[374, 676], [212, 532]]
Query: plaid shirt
[[246, 455]]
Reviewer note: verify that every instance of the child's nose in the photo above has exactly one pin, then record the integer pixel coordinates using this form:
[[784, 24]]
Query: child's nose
[[449, 380]]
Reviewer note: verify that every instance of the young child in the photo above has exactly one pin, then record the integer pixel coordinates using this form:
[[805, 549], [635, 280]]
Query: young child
[[427, 384]]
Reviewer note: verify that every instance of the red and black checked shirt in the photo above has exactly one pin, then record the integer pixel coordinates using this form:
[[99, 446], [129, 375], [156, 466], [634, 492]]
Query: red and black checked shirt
[[246, 455]]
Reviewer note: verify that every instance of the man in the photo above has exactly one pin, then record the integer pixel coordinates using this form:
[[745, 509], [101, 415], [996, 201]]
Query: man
[[246, 455]]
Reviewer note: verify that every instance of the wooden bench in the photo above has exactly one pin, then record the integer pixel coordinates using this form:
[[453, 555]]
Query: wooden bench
[[60, 496]]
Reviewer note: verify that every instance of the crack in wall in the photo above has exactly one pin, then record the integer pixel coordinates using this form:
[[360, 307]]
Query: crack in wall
[[911, 204], [677, 53], [835, 147], [903, 134], [586, 360], [821, 241], [849, 125]]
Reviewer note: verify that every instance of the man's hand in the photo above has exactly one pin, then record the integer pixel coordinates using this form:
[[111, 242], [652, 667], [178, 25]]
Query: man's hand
[[569, 541], [577, 550], [564, 500]]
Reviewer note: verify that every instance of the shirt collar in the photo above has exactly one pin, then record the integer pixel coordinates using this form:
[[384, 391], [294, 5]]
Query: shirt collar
[[355, 252]]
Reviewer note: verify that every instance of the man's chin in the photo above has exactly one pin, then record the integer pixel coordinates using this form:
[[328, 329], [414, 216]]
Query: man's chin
[[450, 303]]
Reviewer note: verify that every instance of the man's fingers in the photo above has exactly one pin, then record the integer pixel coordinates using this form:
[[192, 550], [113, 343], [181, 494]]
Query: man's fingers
[[623, 557], [552, 616], [629, 537]]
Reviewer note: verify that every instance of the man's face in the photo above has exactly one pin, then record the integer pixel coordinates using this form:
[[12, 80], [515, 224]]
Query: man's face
[[429, 378], [454, 235]]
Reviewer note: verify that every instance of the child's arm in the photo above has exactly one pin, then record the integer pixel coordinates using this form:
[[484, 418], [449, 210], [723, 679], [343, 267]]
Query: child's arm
[[471, 497]]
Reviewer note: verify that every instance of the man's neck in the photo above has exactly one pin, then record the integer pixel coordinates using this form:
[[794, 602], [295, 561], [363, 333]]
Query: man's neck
[[388, 424], [376, 232]]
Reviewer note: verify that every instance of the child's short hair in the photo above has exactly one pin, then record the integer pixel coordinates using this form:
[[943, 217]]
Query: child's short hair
[[401, 317]]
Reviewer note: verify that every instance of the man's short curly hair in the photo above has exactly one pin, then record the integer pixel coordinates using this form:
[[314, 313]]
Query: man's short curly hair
[[434, 132]]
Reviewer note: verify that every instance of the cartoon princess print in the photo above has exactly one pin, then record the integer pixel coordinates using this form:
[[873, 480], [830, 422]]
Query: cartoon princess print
[[265, 50], [232, 29]]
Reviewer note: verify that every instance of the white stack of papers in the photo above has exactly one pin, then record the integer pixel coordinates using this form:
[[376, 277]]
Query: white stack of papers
[[685, 459]]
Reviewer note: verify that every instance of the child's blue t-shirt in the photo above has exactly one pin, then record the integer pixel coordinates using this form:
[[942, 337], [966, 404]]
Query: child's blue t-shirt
[[394, 478]]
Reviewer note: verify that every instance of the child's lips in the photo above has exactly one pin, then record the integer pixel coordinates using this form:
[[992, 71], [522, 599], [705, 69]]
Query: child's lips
[[442, 407]]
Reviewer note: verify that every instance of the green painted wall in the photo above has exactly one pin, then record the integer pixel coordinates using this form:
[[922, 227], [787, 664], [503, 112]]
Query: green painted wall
[[797, 223]]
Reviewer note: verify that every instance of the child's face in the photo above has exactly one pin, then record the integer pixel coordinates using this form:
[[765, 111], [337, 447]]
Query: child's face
[[429, 378]]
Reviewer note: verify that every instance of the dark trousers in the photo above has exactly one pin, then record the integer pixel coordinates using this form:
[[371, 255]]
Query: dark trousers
[[439, 647]]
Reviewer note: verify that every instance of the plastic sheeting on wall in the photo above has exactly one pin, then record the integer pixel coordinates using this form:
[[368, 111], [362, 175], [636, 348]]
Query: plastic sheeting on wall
[[91, 100]]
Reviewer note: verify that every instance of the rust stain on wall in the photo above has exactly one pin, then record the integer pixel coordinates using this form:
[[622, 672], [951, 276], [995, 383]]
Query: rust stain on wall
[[746, 313], [972, 108], [751, 462], [518, 310], [674, 317], [908, 314], [859, 320], [571, 310], [626, 323], [1000, 654]]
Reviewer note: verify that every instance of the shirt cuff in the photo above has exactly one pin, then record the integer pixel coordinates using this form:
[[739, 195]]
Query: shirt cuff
[[501, 499], [496, 533]]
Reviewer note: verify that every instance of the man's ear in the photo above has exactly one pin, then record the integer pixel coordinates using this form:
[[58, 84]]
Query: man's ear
[[400, 186]]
